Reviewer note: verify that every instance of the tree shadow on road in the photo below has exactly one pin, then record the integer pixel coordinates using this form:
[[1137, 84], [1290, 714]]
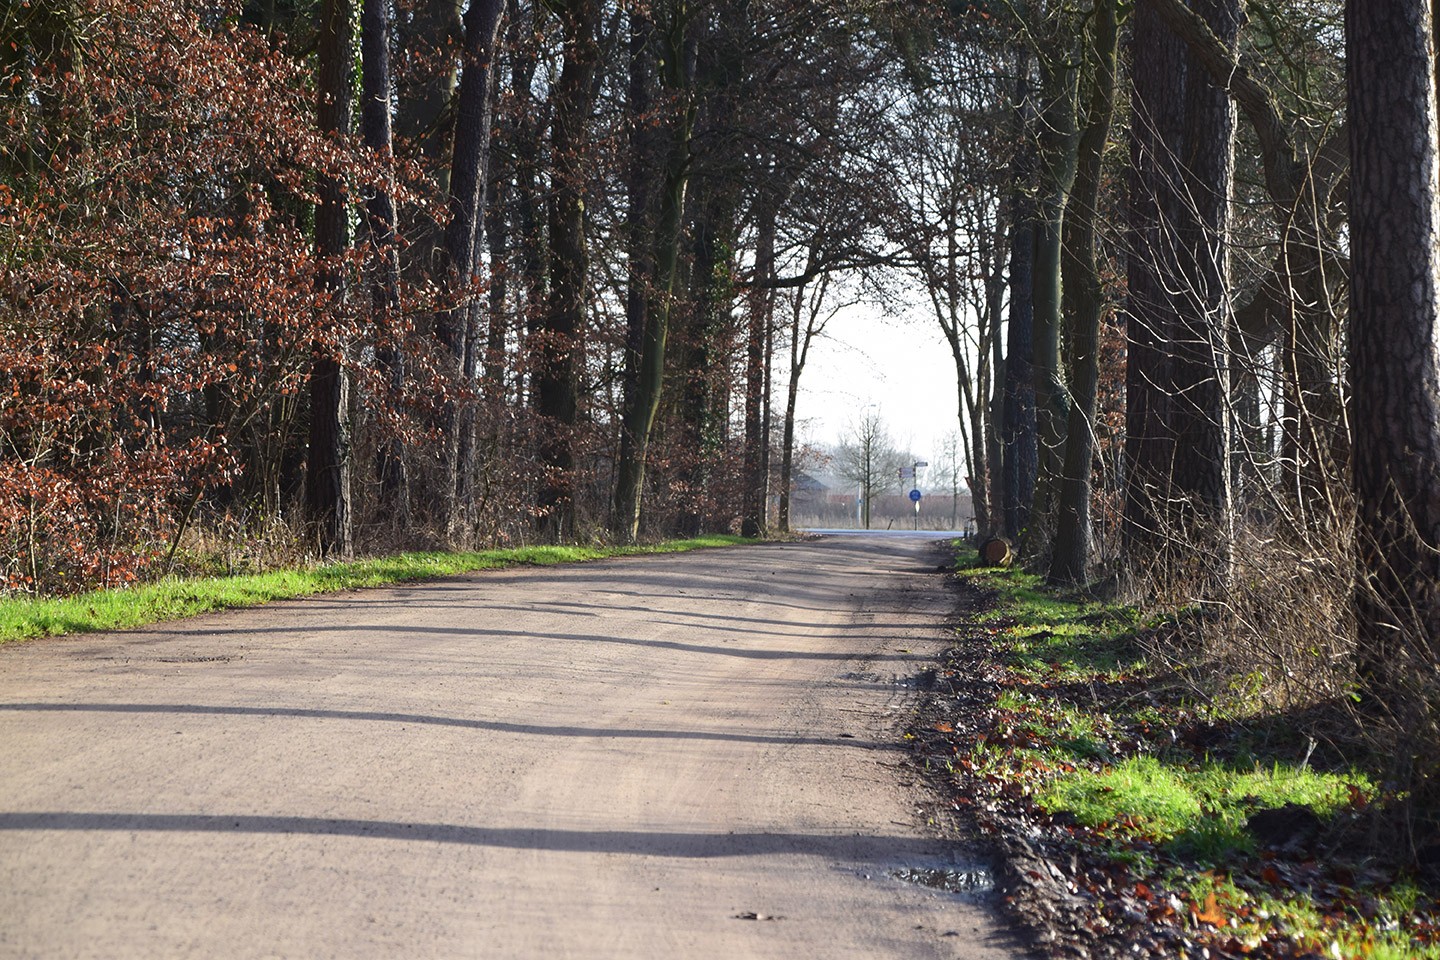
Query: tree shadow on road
[[493, 726], [843, 847]]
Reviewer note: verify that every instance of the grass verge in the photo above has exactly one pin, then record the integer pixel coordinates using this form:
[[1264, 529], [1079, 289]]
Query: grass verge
[[26, 618], [1172, 828]]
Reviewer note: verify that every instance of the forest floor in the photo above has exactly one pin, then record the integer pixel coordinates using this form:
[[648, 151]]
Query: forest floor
[[1130, 816], [694, 755]]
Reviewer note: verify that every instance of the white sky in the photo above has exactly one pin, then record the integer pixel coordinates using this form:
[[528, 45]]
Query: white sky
[[902, 365]]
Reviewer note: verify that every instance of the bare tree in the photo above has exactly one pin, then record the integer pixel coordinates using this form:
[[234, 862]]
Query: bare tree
[[951, 472], [868, 458], [950, 221]]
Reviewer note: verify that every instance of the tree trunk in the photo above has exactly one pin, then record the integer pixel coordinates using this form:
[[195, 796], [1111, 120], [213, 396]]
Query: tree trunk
[[992, 375], [327, 476], [559, 340], [762, 300], [428, 33], [532, 257], [425, 41], [1395, 349], [1158, 74], [469, 167], [1059, 141], [642, 404], [705, 403], [1302, 191], [799, 353], [1199, 381], [497, 237], [639, 255], [1018, 433], [380, 220], [1178, 484], [1070, 558]]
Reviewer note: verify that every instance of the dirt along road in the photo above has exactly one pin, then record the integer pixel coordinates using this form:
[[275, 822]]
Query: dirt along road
[[690, 755]]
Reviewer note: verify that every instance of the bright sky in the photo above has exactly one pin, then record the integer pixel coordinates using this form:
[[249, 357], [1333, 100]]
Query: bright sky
[[903, 366]]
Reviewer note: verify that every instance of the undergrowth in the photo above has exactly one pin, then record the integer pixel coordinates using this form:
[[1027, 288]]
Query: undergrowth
[[24, 617], [1196, 824]]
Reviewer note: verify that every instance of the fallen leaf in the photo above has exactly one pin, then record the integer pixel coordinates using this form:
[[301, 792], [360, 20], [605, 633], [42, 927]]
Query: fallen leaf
[[1209, 912]]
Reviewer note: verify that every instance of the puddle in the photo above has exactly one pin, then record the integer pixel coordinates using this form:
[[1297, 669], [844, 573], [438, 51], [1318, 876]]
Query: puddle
[[970, 881]]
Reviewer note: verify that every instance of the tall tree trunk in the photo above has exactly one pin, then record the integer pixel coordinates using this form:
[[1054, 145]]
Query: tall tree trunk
[[497, 237], [761, 303], [1158, 74], [469, 166], [992, 374], [1059, 141], [1395, 349], [1070, 557], [532, 260], [428, 34], [1302, 189], [1199, 381], [1179, 417], [426, 39], [640, 253], [327, 476], [559, 340], [705, 404], [1018, 432], [375, 126], [642, 403]]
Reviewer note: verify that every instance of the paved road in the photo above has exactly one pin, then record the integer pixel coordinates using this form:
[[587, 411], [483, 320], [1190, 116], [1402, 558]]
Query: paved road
[[617, 759]]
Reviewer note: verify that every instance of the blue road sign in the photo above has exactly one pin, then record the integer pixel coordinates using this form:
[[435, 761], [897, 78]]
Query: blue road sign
[[914, 496]]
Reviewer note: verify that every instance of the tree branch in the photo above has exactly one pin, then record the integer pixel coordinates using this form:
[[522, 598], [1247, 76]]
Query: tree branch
[[1284, 174]]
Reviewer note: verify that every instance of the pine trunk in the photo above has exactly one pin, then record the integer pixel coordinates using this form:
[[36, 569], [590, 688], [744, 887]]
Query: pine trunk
[[1395, 347]]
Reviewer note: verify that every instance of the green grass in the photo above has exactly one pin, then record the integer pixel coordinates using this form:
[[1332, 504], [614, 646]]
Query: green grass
[[26, 618], [1197, 811], [1047, 633]]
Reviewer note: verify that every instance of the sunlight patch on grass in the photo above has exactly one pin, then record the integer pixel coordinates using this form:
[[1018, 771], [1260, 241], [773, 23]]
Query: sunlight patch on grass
[[1200, 811], [1050, 634], [26, 618]]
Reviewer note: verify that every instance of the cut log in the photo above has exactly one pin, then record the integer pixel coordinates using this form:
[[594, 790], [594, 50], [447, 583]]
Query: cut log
[[997, 552]]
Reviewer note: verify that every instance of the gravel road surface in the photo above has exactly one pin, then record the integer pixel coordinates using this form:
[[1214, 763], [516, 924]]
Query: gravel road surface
[[691, 755]]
